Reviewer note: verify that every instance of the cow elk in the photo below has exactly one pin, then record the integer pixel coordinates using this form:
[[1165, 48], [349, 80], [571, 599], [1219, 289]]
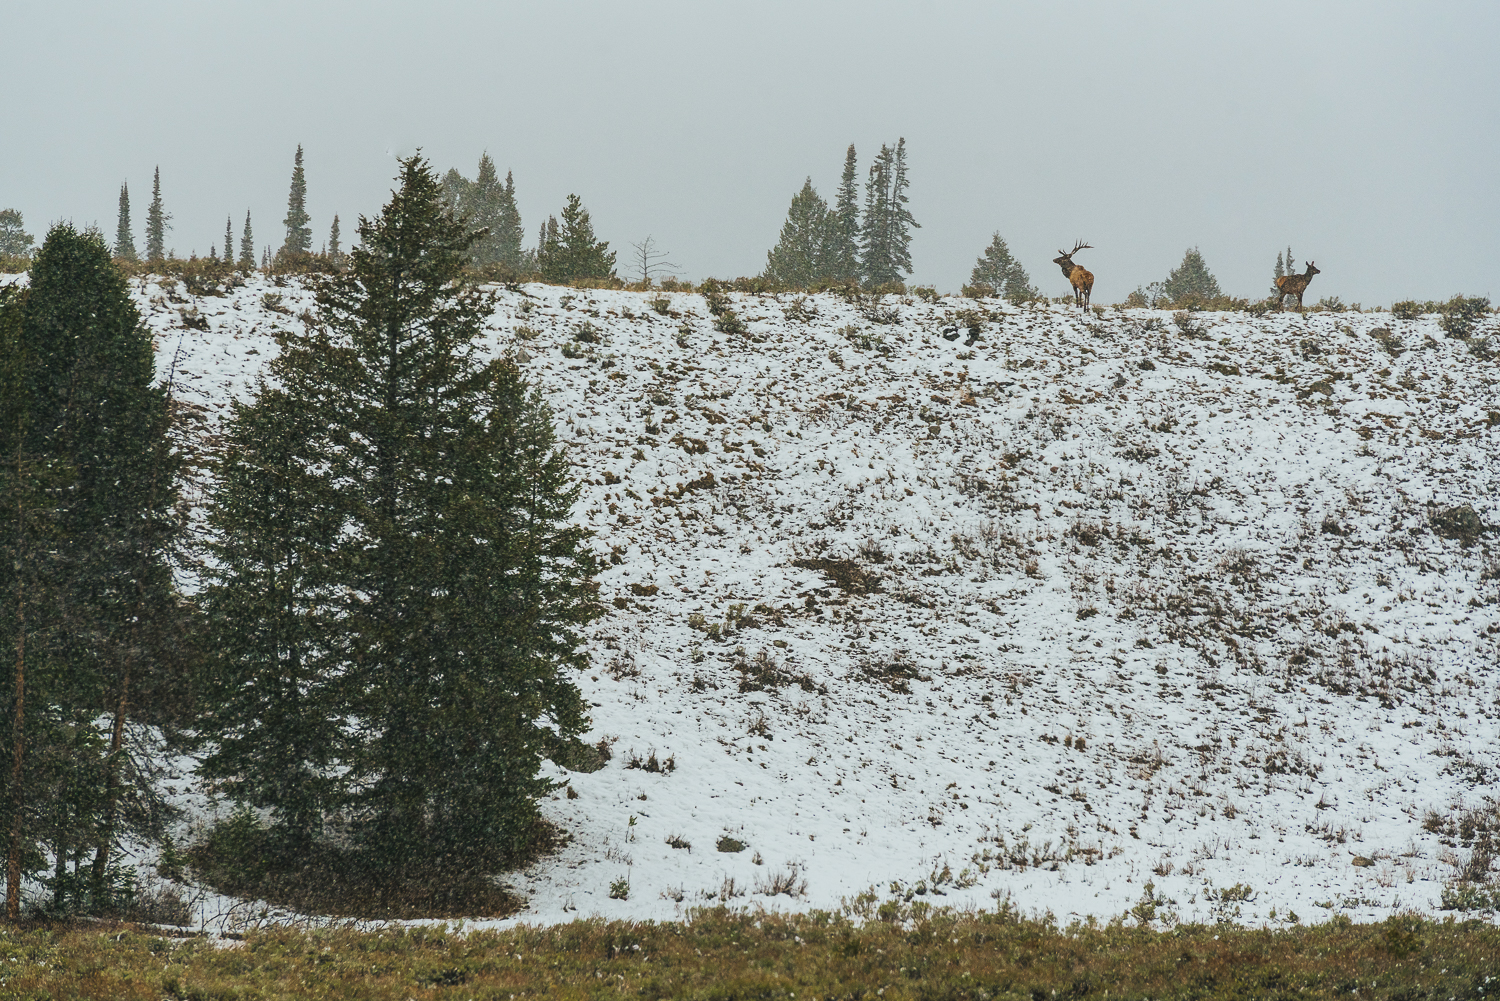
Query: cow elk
[[1080, 278], [1294, 285]]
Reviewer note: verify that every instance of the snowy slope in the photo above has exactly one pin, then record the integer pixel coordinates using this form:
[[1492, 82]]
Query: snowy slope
[[1152, 604]]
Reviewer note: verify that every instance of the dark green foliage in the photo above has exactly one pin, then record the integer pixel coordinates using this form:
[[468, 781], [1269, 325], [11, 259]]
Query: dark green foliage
[[89, 524], [803, 255], [1190, 280], [569, 252], [885, 233], [428, 512], [334, 251], [124, 240], [14, 240], [1001, 272], [843, 248], [271, 716], [298, 232], [228, 240], [157, 222], [247, 246]]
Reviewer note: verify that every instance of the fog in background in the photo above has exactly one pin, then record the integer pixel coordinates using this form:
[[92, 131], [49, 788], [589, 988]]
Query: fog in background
[[1362, 134]]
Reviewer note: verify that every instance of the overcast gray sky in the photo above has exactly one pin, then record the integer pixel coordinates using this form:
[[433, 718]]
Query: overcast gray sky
[[1363, 134]]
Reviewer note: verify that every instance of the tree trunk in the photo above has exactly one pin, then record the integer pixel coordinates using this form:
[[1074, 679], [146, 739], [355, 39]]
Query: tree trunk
[[111, 790], [18, 734]]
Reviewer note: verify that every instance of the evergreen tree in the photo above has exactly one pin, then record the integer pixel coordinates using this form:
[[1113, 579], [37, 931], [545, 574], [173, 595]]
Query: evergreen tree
[[509, 234], [1280, 270], [570, 252], [124, 240], [843, 251], [298, 232], [885, 234], [14, 240], [456, 192], [90, 409], [874, 236], [901, 222], [228, 240], [1002, 272], [333, 240], [273, 712], [486, 195], [801, 258], [156, 222], [247, 246], [434, 556], [1191, 278]]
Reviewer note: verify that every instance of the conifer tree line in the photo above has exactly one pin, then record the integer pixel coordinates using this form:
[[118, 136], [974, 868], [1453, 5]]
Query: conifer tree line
[[819, 244], [380, 657]]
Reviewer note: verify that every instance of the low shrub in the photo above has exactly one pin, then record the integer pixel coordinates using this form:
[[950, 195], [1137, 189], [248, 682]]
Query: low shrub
[[1460, 315], [728, 322], [714, 295]]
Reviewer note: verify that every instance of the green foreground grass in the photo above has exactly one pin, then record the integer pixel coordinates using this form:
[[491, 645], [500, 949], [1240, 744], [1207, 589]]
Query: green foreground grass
[[727, 955]]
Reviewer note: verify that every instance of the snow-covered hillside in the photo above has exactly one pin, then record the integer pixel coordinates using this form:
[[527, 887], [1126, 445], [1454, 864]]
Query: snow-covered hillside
[[1106, 598]]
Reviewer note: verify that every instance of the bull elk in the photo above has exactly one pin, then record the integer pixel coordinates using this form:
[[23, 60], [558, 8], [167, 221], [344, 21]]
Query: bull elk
[[1294, 285], [1080, 278]]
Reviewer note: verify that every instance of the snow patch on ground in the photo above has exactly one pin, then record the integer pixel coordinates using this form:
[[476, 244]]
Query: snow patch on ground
[[1147, 600]]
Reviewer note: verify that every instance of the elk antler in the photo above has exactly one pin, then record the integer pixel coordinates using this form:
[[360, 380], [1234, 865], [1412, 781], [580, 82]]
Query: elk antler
[[1080, 245]]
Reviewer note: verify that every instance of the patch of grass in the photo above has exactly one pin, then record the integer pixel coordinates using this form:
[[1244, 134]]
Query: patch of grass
[[845, 574], [903, 951]]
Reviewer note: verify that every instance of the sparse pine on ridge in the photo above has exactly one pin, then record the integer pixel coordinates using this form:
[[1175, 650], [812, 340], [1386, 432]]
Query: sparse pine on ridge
[[804, 255], [157, 222], [247, 246], [298, 231], [569, 251], [124, 239], [843, 247], [1000, 271], [1191, 280], [885, 230]]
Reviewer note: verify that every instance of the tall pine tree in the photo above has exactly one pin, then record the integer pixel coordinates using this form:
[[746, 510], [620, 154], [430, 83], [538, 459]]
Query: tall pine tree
[[802, 257], [157, 222], [91, 410], [509, 234], [228, 240], [298, 232], [447, 584], [885, 232], [486, 195], [247, 246], [334, 251], [124, 240], [843, 250]]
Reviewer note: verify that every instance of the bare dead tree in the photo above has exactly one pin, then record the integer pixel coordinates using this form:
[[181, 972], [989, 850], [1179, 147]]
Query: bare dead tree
[[650, 261]]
